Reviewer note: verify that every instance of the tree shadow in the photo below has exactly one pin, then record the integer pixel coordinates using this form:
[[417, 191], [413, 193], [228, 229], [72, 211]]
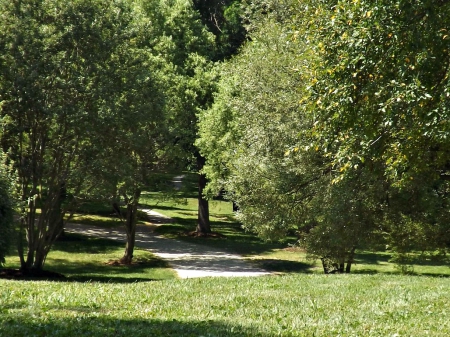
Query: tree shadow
[[62, 270], [372, 258], [86, 244], [111, 270], [166, 208], [103, 326], [284, 266]]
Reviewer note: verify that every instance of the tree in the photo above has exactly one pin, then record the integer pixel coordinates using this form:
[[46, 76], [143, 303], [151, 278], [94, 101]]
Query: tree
[[6, 213], [135, 142], [382, 100], [333, 122], [187, 47], [224, 18], [55, 86], [253, 122], [260, 146]]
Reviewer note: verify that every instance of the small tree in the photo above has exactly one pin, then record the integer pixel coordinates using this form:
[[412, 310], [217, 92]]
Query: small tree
[[56, 78]]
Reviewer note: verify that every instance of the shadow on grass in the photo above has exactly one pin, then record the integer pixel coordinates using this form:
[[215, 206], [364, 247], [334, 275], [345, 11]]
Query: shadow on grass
[[372, 258], [83, 325], [376, 258], [78, 243], [284, 266], [235, 240], [95, 270]]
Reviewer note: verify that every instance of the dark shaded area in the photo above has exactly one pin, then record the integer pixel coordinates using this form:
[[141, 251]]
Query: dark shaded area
[[371, 258], [77, 243], [197, 234], [32, 275], [108, 272], [284, 266], [108, 327], [386, 257], [223, 19]]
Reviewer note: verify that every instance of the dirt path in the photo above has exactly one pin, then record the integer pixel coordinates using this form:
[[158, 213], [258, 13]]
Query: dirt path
[[187, 259]]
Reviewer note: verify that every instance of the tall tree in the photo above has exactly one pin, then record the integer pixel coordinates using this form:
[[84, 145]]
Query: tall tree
[[188, 48], [382, 100], [368, 135], [55, 80], [258, 141]]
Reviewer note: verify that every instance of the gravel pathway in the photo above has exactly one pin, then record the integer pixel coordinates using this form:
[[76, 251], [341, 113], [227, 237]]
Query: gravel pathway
[[187, 259]]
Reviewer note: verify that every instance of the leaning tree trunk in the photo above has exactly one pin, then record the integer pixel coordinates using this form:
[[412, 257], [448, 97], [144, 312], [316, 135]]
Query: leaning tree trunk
[[203, 225], [130, 227]]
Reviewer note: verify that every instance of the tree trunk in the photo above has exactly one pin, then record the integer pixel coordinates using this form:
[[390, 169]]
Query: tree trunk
[[350, 260], [42, 229], [203, 225], [130, 227]]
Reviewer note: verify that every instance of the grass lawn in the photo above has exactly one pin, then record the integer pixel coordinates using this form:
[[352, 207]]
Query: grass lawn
[[291, 305], [145, 299], [82, 259]]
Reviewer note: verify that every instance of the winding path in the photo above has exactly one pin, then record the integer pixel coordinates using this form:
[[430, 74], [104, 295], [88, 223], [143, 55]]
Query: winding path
[[187, 259]]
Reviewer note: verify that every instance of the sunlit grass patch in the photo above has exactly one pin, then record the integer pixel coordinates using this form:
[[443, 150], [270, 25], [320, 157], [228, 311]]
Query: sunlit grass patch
[[295, 305], [96, 220]]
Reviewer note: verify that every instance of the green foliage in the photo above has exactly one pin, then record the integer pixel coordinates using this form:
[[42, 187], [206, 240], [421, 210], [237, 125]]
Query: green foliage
[[224, 18], [333, 122], [6, 211], [382, 102], [75, 85]]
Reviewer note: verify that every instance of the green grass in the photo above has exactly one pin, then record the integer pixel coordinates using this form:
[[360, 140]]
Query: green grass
[[96, 220], [145, 299], [82, 258], [296, 305]]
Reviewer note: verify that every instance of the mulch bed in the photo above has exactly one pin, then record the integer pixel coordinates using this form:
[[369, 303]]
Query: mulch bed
[[17, 274]]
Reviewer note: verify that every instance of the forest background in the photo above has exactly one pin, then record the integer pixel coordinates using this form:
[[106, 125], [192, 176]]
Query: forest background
[[323, 118]]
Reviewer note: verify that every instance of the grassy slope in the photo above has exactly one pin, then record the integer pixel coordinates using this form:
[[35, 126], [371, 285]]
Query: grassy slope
[[296, 305]]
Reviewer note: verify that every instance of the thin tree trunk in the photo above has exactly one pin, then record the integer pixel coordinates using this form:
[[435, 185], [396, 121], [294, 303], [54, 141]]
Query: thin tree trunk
[[350, 260], [31, 237], [203, 225], [20, 245], [130, 227]]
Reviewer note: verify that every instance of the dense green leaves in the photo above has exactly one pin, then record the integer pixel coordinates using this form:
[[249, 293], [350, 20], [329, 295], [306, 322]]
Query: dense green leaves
[[333, 122], [75, 85], [382, 102]]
